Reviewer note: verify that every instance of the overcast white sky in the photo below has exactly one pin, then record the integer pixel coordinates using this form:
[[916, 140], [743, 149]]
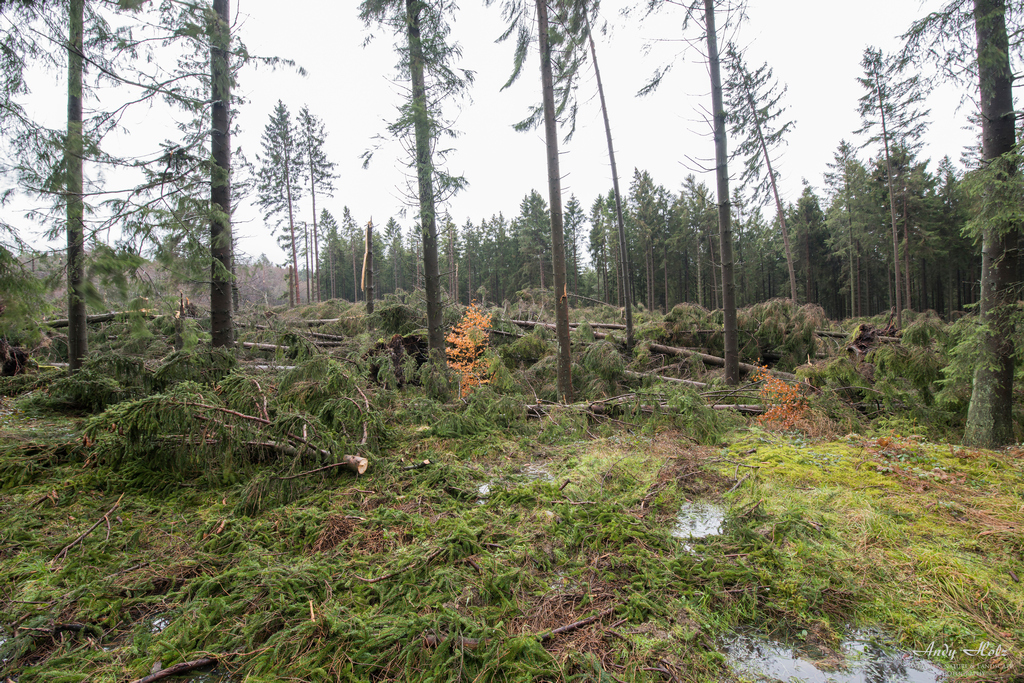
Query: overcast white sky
[[814, 47]]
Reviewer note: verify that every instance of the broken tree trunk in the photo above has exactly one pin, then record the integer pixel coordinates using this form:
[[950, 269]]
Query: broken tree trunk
[[180, 668], [688, 382], [264, 347], [99, 318], [549, 326], [708, 359]]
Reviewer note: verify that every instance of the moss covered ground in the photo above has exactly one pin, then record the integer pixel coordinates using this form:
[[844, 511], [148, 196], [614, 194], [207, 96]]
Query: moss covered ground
[[164, 506], [464, 568]]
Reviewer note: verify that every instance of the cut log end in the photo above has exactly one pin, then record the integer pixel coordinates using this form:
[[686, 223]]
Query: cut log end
[[357, 464]]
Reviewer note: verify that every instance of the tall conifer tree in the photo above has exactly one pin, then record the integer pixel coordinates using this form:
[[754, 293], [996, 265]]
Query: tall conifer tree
[[279, 181]]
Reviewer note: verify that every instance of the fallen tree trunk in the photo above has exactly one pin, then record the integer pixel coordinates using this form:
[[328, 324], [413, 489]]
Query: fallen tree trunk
[[708, 359], [601, 409], [549, 326], [673, 380], [177, 669], [355, 463], [98, 318], [263, 347]]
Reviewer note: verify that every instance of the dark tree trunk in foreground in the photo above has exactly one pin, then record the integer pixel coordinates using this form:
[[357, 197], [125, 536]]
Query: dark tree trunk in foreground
[[555, 201], [732, 356], [990, 416], [627, 294], [78, 340], [220, 178], [424, 173]]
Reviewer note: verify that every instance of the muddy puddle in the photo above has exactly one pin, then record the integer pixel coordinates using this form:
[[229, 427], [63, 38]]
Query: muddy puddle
[[862, 658], [698, 520]]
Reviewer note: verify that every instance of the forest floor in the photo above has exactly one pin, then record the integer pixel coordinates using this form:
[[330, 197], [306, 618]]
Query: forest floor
[[634, 555]]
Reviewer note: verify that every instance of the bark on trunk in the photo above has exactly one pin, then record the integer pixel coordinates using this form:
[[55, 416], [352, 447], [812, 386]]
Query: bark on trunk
[[291, 227], [624, 255], [990, 415], [732, 372], [368, 268], [78, 340], [555, 201], [778, 201], [425, 177], [892, 208]]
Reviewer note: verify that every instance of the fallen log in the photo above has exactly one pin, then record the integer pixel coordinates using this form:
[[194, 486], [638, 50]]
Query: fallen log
[[179, 668], [98, 318], [263, 347], [549, 326], [541, 409], [355, 463], [673, 380], [708, 359]]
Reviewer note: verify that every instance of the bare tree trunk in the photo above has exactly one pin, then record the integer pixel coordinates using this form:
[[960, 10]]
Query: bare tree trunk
[[425, 173], [892, 208], [78, 338], [732, 356], [368, 268], [316, 237], [565, 391], [222, 266], [627, 295], [778, 201]]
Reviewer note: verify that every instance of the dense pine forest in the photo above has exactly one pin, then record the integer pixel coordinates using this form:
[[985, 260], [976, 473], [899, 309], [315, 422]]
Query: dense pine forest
[[684, 430]]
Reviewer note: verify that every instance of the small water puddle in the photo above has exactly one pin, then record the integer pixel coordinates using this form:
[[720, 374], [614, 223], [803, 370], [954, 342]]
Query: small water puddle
[[529, 473], [864, 659], [698, 520], [159, 623]]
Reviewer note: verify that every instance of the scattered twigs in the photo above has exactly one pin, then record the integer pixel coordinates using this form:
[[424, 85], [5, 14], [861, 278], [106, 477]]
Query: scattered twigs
[[416, 466], [433, 640], [179, 668], [383, 577], [575, 625], [64, 551]]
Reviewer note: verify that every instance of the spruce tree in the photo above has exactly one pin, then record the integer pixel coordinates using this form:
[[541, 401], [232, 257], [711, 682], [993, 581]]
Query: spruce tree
[[318, 173], [754, 107], [891, 114], [426, 58], [279, 181], [973, 44]]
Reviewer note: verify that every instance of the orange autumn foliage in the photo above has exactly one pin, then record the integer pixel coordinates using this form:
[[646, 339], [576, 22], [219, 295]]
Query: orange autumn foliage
[[466, 345], [787, 406]]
